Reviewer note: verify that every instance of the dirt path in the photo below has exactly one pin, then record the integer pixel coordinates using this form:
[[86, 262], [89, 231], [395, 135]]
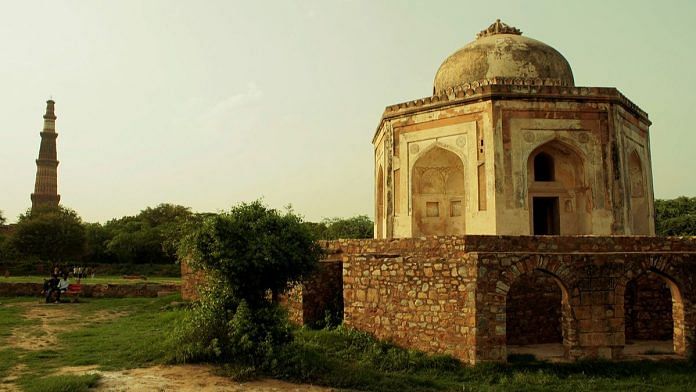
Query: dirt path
[[184, 378]]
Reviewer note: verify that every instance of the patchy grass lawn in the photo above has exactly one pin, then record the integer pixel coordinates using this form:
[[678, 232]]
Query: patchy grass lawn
[[110, 333], [95, 280], [353, 360], [113, 334]]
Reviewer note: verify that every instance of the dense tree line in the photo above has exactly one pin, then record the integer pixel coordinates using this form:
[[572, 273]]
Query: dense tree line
[[334, 228], [675, 216], [58, 235]]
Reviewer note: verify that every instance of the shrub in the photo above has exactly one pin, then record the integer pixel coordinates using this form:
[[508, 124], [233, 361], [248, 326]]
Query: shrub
[[250, 256]]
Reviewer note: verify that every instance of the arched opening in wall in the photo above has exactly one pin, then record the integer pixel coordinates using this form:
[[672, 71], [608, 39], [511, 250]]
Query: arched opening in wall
[[536, 310], [438, 194], [559, 198], [379, 215], [653, 317], [640, 214]]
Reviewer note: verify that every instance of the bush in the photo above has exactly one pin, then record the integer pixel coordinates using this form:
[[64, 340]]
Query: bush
[[251, 337], [253, 250], [250, 256]]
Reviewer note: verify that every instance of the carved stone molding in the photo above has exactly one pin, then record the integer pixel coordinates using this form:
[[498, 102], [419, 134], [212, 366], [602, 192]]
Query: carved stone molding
[[498, 27]]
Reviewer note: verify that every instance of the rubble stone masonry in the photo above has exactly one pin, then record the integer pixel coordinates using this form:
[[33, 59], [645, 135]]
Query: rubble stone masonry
[[463, 295]]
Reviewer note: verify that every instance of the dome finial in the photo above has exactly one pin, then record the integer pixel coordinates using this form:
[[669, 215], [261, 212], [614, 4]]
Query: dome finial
[[498, 28]]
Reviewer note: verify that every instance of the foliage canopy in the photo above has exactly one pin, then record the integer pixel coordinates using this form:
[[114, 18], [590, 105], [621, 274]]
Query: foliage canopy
[[253, 250], [250, 255], [360, 226], [53, 234], [150, 237], [675, 216]]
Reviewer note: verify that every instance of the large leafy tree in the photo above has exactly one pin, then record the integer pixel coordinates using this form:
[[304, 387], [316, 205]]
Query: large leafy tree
[[152, 236], [2, 218], [676, 216], [253, 250], [97, 238], [54, 234]]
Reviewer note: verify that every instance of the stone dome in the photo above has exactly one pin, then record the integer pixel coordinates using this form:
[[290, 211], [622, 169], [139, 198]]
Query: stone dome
[[501, 51]]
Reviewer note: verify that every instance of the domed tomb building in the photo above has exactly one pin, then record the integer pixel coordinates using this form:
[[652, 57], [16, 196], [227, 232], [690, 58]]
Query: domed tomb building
[[508, 145]]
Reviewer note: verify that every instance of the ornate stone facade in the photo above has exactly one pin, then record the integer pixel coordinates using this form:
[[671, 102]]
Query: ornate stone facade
[[470, 159]]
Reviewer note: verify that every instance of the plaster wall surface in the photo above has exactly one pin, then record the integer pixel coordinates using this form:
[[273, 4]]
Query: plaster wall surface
[[597, 139]]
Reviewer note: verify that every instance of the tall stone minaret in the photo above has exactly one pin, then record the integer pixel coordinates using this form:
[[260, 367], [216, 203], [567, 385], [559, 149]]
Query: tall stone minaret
[[46, 187]]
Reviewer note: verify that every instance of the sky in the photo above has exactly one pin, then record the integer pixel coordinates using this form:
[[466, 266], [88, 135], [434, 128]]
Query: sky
[[211, 103]]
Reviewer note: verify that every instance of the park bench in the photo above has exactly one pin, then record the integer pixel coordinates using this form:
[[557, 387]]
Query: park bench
[[74, 291]]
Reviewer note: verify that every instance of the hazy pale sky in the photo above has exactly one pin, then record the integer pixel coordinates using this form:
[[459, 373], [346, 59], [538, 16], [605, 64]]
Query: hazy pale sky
[[209, 103]]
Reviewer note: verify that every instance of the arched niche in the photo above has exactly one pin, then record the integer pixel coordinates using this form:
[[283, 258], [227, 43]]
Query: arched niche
[[538, 316], [640, 213], [557, 190], [653, 315], [379, 202], [437, 190]]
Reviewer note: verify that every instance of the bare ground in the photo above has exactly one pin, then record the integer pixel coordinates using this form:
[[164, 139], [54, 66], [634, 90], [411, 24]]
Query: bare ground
[[184, 378], [52, 319]]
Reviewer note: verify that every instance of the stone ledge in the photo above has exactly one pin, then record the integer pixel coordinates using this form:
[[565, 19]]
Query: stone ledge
[[148, 290]]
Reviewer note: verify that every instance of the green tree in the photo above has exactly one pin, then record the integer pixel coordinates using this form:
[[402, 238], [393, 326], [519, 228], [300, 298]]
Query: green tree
[[96, 240], [359, 226], [356, 227], [2, 218], [250, 255], [253, 250], [152, 236], [675, 216], [53, 234]]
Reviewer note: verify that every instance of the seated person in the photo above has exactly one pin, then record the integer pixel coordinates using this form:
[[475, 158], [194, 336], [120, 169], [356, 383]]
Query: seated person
[[50, 287], [63, 284]]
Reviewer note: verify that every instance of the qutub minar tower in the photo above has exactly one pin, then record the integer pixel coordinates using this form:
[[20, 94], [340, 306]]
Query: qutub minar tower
[[46, 187]]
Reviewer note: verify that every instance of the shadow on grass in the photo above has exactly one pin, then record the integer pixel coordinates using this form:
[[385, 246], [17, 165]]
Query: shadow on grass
[[343, 358]]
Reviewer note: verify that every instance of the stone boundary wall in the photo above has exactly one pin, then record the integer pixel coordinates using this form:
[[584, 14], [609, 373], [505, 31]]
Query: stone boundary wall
[[384, 278], [93, 290], [427, 304], [449, 294], [515, 244]]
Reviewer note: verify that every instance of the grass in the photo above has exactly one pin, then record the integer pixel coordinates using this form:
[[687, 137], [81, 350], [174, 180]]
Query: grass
[[136, 339], [349, 359], [63, 383], [339, 358], [95, 280]]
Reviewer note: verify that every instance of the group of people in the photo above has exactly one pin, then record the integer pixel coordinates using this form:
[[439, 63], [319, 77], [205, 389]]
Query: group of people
[[54, 286], [60, 280], [80, 272]]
